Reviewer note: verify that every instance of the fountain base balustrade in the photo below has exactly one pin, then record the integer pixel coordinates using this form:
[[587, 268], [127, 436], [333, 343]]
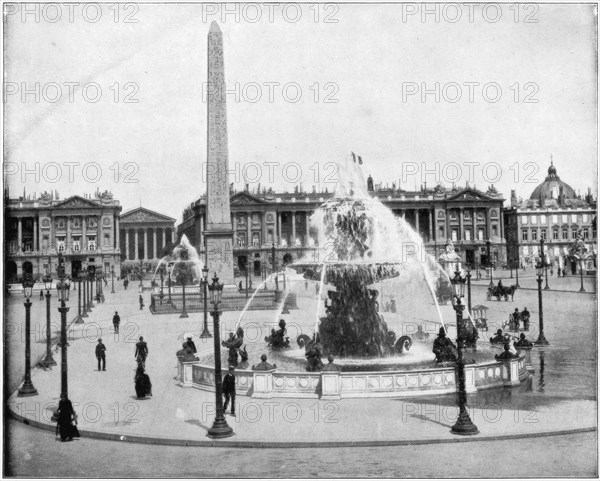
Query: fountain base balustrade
[[334, 385], [231, 301]]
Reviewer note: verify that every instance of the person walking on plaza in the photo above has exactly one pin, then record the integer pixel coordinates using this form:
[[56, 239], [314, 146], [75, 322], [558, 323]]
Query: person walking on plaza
[[125, 284], [525, 316], [101, 354], [229, 390], [141, 302], [116, 322], [141, 352], [41, 294], [67, 419]]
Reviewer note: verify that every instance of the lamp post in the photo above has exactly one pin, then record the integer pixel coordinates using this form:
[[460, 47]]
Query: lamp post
[[78, 319], [518, 266], [182, 279], [141, 273], [277, 293], [220, 428], [63, 288], [581, 289], [541, 340], [468, 276], [112, 279], [27, 389], [170, 272], [488, 245], [204, 284], [83, 275], [48, 360], [464, 426], [91, 290], [545, 264]]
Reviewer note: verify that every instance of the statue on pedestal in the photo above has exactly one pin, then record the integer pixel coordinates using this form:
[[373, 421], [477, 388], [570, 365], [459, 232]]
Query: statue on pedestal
[[234, 344], [278, 338], [443, 348]]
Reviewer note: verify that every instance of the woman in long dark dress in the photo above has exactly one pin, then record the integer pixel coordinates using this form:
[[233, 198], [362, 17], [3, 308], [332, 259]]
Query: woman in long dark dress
[[143, 386], [66, 416]]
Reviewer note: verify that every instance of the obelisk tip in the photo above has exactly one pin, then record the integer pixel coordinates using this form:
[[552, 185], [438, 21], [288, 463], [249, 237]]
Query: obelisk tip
[[214, 27]]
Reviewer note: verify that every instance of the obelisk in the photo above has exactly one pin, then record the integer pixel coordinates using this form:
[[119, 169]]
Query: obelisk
[[218, 236]]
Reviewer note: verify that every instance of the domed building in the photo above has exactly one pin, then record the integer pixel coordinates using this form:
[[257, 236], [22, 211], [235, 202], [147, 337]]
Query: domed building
[[556, 213]]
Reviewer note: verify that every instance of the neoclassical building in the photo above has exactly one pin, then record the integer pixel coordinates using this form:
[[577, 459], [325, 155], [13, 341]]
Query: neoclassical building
[[260, 219], [143, 235], [81, 228], [555, 213]]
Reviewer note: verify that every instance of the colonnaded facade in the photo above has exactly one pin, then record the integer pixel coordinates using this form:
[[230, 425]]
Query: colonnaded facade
[[262, 219], [555, 213], [82, 229]]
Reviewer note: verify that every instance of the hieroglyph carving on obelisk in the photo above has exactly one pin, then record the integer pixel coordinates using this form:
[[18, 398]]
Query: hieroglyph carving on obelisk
[[219, 231]]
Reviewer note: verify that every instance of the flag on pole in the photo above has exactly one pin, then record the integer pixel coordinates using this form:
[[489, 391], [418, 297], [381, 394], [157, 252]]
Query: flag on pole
[[357, 158]]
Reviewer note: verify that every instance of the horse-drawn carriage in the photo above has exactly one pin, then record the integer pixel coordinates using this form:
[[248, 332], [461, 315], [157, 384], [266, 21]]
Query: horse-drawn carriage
[[500, 292]]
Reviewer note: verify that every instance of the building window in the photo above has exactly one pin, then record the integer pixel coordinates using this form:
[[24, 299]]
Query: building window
[[524, 219], [573, 218], [534, 235], [107, 240], [544, 234], [565, 233], [467, 234], [565, 218], [467, 214], [241, 239], [452, 215], [555, 218], [76, 244], [494, 213], [573, 232], [92, 243], [543, 219], [534, 219], [479, 215], [554, 234], [480, 234], [441, 231], [585, 217], [454, 235], [494, 230], [256, 239], [586, 233]]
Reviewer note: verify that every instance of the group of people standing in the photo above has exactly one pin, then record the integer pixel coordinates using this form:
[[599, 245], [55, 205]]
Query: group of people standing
[[515, 318]]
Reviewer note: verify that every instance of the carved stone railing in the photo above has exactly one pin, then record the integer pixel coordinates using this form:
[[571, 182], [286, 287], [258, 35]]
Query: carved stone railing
[[339, 385]]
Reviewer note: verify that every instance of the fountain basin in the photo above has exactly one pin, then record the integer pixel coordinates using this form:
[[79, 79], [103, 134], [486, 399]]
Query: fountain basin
[[340, 385]]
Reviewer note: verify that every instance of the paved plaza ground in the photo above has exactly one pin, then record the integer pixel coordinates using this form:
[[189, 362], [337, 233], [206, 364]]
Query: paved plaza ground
[[555, 408]]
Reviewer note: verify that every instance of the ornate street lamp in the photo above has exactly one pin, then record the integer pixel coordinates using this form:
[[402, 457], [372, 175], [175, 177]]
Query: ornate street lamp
[[220, 428], [464, 425], [112, 276], [488, 244], [545, 264], [78, 319], [27, 389], [90, 288], [48, 360], [468, 276], [518, 265], [63, 288], [541, 340], [204, 284]]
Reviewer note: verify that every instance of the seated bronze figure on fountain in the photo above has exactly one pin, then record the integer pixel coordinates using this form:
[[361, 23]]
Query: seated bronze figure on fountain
[[443, 348], [234, 344], [278, 339]]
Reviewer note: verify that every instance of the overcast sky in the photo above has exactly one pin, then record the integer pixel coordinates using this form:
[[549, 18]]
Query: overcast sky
[[342, 78]]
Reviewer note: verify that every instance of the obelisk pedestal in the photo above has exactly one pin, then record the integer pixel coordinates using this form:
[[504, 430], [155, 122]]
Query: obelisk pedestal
[[218, 236]]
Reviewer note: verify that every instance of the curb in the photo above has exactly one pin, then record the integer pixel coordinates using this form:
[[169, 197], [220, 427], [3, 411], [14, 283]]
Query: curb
[[296, 444], [535, 289]]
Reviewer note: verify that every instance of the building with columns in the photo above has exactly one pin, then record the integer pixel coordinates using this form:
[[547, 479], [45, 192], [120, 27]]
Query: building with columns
[[144, 234], [260, 219], [555, 213], [81, 228]]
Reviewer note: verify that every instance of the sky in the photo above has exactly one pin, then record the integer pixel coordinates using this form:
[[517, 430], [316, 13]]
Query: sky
[[111, 97]]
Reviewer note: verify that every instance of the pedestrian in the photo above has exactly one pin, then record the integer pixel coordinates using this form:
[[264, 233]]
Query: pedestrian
[[141, 352], [525, 316], [100, 354], [191, 344], [125, 284], [141, 302], [66, 419], [116, 322], [41, 294], [105, 282], [229, 390], [143, 386]]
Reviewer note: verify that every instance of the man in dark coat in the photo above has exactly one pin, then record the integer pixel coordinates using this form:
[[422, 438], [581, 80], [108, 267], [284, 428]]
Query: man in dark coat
[[141, 352], [116, 322], [143, 386], [229, 390], [525, 316], [100, 354], [141, 302]]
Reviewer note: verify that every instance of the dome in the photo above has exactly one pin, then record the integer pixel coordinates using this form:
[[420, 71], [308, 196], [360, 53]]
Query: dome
[[550, 188]]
